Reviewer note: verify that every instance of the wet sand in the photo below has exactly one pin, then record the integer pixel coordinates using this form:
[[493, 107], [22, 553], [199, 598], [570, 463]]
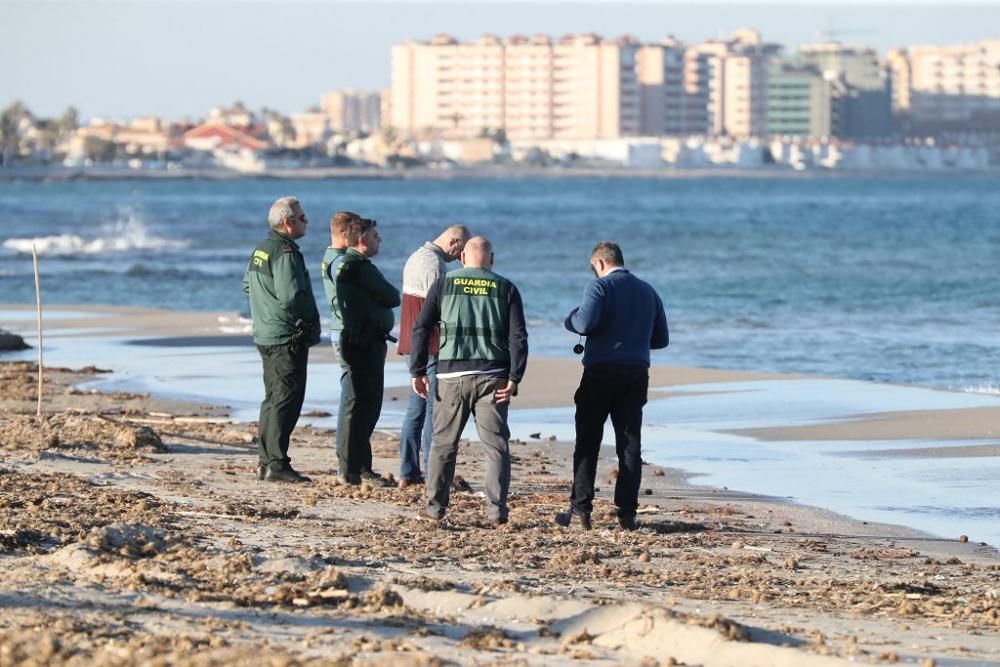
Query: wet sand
[[958, 424], [133, 528]]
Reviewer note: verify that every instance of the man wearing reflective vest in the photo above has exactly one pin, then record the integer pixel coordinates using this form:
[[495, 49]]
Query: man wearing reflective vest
[[482, 356]]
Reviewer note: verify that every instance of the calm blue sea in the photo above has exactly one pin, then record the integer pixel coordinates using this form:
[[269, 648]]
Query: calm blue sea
[[874, 277]]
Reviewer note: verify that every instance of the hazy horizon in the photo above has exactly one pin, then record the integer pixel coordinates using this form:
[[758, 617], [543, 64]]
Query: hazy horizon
[[178, 59]]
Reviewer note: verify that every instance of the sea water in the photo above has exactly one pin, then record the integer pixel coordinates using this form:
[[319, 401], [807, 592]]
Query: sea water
[[885, 278]]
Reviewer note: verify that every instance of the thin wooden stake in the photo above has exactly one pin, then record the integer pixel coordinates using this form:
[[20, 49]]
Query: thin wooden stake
[[38, 304]]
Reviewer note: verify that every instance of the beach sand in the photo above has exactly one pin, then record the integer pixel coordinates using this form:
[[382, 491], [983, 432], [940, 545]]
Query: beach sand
[[132, 529]]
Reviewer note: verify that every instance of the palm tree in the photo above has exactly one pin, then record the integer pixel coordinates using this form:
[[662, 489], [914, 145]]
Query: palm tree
[[10, 132]]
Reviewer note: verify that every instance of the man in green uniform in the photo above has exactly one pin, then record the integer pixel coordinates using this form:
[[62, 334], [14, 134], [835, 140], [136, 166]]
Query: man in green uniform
[[366, 300], [332, 258], [285, 325], [482, 357]]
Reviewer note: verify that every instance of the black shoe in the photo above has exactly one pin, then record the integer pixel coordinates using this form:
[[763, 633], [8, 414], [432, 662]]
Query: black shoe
[[628, 523], [564, 519], [277, 472], [353, 479], [371, 476], [261, 471]]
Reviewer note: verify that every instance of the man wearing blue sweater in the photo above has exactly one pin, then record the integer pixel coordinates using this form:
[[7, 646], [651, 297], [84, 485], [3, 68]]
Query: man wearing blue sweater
[[622, 318]]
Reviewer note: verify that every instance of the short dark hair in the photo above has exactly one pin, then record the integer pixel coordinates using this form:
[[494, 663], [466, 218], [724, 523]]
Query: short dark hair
[[610, 252], [356, 229], [340, 220]]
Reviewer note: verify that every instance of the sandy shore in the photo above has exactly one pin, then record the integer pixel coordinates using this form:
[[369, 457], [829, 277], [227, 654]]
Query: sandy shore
[[133, 527]]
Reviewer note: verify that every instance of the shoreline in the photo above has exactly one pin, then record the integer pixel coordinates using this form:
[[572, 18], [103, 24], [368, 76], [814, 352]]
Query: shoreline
[[544, 404], [98, 174]]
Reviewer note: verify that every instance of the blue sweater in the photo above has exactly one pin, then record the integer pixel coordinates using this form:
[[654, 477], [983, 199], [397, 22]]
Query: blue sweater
[[622, 318]]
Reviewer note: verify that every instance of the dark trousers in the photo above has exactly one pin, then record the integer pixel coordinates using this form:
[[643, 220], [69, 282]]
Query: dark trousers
[[618, 392], [284, 391], [366, 377]]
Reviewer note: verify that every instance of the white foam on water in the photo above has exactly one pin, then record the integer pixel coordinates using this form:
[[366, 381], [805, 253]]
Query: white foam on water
[[126, 233], [237, 324], [985, 388]]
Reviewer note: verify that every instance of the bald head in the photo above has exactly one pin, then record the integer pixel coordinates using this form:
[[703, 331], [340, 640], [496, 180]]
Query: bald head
[[452, 241], [478, 253]]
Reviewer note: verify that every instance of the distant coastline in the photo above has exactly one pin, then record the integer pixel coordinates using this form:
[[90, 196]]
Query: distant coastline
[[65, 174]]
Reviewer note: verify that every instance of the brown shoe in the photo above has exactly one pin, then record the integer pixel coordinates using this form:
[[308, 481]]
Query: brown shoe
[[404, 483]]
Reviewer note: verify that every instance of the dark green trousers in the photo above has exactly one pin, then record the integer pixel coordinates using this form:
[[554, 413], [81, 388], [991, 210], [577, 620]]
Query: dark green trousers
[[284, 391], [366, 380]]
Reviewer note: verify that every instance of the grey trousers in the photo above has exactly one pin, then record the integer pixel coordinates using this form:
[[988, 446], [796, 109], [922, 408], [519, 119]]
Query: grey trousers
[[457, 399]]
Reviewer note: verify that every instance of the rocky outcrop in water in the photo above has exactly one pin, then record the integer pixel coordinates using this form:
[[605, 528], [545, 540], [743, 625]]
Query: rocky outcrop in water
[[10, 342]]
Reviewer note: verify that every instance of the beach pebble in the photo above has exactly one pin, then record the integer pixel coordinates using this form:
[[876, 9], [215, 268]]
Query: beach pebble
[[535, 436], [648, 492], [963, 538], [658, 473], [644, 557], [738, 545]]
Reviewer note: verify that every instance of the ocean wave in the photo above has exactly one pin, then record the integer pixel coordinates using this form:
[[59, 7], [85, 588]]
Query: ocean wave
[[983, 388], [235, 324], [126, 233]]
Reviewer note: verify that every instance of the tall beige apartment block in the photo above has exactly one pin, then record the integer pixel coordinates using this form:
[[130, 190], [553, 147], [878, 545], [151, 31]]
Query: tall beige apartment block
[[576, 87], [716, 87], [529, 81], [897, 63], [744, 95], [953, 84], [664, 104]]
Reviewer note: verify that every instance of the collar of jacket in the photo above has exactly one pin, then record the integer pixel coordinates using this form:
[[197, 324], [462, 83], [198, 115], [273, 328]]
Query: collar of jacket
[[278, 236]]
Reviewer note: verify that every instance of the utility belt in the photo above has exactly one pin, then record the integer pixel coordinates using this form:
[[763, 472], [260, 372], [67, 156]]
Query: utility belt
[[364, 334]]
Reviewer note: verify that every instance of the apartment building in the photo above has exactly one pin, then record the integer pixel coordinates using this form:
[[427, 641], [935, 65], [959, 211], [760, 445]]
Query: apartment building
[[575, 87], [860, 95], [352, 110], [950, 86], [725, 85], [663, 101], [798, 102]]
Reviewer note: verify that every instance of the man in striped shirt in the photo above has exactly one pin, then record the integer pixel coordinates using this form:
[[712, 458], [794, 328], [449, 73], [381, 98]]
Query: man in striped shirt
[[422, 269]]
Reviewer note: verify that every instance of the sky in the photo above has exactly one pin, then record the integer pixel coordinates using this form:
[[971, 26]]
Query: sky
[[123, 59]]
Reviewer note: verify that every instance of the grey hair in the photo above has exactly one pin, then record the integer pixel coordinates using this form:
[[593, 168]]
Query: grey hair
[[282, 210]]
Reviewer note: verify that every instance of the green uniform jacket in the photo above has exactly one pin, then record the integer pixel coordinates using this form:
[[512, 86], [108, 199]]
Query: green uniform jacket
[[328, 270], [277, 282], [365, 297]]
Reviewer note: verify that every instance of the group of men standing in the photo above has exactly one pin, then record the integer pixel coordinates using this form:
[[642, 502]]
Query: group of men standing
[[465, 333]]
